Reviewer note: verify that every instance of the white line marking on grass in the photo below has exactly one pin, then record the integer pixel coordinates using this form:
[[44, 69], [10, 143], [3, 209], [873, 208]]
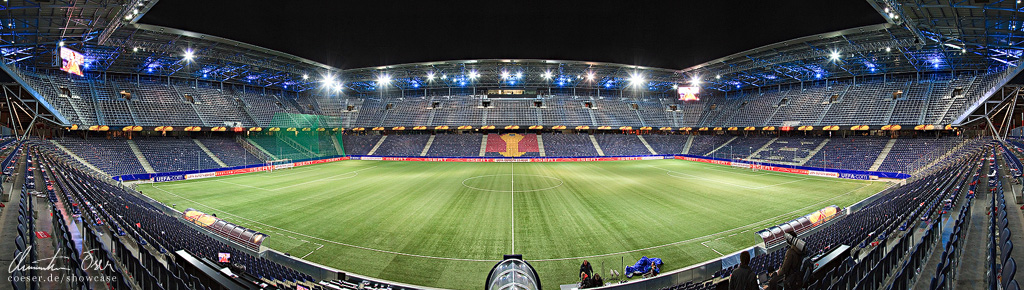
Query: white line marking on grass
[[713, 249], [560, 183], [314, 250], [335, 177], [745, 228]]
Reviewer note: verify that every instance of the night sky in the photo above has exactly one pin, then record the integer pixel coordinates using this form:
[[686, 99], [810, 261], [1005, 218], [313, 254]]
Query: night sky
[[668, 34]]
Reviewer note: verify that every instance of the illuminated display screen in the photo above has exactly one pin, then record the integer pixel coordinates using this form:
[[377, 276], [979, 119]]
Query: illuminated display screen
[[71, 61], [688, 93]]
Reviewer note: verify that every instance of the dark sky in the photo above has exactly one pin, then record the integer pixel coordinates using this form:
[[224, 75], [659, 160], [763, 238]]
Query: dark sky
[[669, 34]]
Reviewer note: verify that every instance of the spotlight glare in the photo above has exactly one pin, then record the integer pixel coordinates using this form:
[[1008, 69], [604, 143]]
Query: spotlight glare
[[546, 75], [61, 43], [189, 54], [834, 55], [384, 79], [888, 49], [718, 77], [430, 76], [590, 76], [519, 75], [305, 76], [504, 75]]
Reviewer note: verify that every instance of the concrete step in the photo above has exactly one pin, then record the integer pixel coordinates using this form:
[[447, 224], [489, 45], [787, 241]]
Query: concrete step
[[427, 147], [721, 146], [483, 146], [540, 145], [76, 157], [689, 142], [649, 148], [813, 152], [598, 147], [209, 153], [381, 141], [882, 155], [770, 142], [142, 159]]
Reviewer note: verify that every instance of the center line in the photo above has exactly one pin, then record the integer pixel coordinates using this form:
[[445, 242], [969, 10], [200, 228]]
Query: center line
[[513, 207]]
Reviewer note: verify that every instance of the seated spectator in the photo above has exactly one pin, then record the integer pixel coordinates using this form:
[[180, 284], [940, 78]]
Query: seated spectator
[[743, 278]]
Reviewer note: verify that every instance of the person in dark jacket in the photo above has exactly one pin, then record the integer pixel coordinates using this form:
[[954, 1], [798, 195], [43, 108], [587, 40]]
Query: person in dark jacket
[[742, 277], [586, 268], [789, 272]]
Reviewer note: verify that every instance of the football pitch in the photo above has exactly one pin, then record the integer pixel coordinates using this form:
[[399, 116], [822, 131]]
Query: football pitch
[[445, 224]]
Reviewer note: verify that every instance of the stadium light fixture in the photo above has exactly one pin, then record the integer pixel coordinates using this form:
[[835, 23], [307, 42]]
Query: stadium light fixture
[[430, 76], [305, 77], [473, 74], [504, 75], [444, 76], [834, 55], [888, 49], [590, 76], [695, 81], [61, 43], [189, 54], [636, 79], [546, 75], [519, 75], [718, 77], [383, 79]]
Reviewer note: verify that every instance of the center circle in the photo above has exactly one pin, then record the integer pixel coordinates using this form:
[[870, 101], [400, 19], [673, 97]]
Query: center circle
[[506, 182]]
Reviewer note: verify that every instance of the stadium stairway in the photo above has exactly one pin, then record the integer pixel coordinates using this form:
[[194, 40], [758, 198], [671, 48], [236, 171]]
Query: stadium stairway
[[483, 146], [207, 150], [381, 141], [540, 145], [138, 154], [1014, 216], [596, 147], [249, 145], [75, 156], [337, 145], [972, 261], [9, 222], [766, 145], [815, 151], [427, 147], [882, 155], [686, 148], [719, 146], [642, 140]]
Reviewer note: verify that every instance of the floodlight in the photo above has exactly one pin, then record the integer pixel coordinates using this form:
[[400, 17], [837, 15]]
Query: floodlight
[[636, 79], [519, 75], [546, 75], [444, 76], [834, 55], [718, 77], [384, 79], [61, 43], [888, 49], [305, 76], [504, 75], [189, 55], [430, 76], [590, 76], [695, 81]]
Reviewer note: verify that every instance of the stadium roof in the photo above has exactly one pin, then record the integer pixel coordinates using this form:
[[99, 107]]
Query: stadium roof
[[921, 36]]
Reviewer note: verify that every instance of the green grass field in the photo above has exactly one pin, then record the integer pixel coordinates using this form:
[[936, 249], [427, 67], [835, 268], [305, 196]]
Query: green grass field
[[445, 224]]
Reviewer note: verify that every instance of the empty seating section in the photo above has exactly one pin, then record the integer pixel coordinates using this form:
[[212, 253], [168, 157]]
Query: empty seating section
[[113, 156], [215, 107], [568, 145], [174, 154], [704, 144], [905, 152], [455, 145], [788, 150], [229, 151], [667, 144], [509, 112], [360, 144], [741, 148], [925, 99], [621, 145], [403, 145], [856, 153]]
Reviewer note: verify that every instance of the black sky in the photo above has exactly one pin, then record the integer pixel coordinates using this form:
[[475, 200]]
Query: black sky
[[669, 34]]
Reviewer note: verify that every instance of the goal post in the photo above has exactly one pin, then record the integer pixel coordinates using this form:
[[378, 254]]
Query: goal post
[[275, 164]]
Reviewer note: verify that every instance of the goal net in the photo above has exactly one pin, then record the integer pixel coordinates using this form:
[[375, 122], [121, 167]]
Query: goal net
[[279, 164]]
